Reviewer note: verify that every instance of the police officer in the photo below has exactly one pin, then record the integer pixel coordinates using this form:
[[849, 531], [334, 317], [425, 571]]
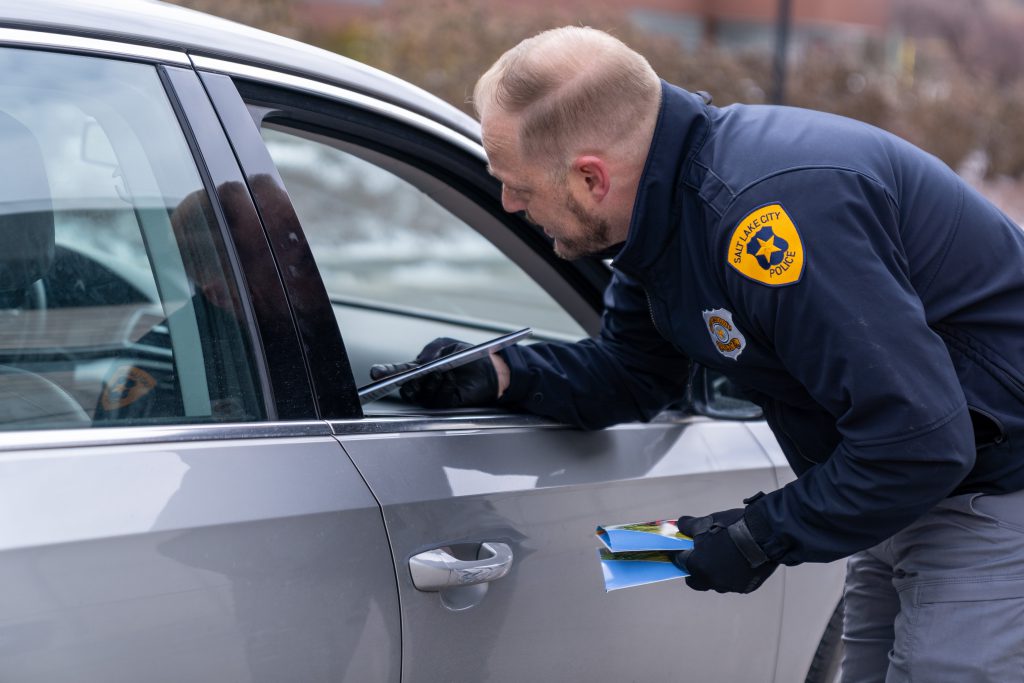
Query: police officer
[[851, 284]]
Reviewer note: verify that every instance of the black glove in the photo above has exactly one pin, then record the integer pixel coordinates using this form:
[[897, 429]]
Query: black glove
[[716, 561], [472, 384]]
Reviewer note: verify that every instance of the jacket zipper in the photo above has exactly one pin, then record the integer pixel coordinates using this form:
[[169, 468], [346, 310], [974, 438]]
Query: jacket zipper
[[650, 312], [647, 296]]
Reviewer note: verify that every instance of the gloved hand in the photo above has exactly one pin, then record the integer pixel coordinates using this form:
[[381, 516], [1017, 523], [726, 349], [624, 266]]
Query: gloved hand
[[716, 561], [472, 384]]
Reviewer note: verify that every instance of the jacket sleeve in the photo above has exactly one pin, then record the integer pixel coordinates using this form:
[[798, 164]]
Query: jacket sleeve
[[628, 372], [853, 331]]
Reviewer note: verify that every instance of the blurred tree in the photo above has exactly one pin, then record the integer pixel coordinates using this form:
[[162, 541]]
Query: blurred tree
[[443, 46], [960, 94], [276, 16], [983, 36], [1004, 142]]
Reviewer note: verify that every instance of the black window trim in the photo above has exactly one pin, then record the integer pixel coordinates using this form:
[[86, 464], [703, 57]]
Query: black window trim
[[323, 355], [282, 376]]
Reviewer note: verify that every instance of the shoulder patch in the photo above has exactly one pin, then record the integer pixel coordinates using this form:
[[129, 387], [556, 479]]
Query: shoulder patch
[[765, 247]]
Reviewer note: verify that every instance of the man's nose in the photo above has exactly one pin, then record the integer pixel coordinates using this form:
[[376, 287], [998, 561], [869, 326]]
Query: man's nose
[[510, 202]]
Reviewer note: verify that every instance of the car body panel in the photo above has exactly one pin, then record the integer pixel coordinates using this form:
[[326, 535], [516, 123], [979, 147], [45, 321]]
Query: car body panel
[[543, 492], [259, 559]]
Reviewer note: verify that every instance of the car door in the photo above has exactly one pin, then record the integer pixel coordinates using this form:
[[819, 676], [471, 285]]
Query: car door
[[407, 233], [172, 507]]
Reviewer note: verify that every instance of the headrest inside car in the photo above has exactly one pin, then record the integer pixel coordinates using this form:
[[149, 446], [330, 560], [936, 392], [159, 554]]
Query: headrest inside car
[[26, 212]]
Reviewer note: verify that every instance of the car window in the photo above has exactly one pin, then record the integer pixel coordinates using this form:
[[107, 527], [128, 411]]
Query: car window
[[378, 239], [117, 304]]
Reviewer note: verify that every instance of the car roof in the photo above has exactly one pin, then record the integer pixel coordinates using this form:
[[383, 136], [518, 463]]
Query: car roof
[[159, 24]]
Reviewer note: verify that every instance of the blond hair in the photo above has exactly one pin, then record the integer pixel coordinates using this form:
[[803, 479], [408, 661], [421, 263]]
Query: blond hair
[[572, 89]]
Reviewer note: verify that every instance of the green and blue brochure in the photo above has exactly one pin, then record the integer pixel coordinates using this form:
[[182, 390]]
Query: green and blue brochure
[[639, 554]]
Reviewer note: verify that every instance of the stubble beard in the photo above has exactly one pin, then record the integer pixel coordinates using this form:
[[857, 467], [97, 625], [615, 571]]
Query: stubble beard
[[595, 235]]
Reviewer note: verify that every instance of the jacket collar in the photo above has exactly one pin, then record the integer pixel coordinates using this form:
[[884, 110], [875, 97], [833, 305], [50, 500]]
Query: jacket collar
[[679, 133]]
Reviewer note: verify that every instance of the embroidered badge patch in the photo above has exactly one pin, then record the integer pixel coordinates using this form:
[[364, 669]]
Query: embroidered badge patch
[[127, 386], [766, 247], [726, 336]]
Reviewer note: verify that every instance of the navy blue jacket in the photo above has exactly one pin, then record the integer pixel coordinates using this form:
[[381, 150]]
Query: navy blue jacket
[[868, 299]]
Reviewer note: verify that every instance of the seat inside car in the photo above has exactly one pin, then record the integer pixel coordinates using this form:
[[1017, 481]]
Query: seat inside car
[[27, 399]]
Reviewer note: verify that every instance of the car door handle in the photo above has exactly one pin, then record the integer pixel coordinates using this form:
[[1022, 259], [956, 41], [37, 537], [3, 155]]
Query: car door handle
[[436, 569]]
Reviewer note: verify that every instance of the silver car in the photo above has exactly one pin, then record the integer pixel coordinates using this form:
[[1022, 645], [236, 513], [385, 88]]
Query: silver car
[[209, 234]]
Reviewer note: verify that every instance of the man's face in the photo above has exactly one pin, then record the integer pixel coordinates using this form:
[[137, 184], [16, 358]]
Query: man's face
[[547, 201]]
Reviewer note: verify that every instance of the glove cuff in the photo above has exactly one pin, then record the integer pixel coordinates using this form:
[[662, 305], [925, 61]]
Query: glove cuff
[[748, 547]]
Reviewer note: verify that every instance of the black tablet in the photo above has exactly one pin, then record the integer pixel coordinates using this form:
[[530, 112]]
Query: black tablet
[[383, 387]]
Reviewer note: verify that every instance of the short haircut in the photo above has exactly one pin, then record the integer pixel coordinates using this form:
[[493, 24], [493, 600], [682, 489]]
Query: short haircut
[[572, 89]]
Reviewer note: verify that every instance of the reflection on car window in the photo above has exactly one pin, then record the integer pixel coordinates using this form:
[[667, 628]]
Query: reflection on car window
[[115, 302], [377, 238]]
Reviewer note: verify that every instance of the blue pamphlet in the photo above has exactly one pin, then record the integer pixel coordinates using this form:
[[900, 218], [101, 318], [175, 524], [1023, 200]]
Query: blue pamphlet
[[639, 554]]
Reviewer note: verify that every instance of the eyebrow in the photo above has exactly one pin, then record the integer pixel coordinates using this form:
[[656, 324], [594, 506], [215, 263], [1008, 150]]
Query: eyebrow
[[510, 186]]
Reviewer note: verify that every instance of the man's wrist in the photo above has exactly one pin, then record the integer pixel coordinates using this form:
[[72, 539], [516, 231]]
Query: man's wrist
[[502, 370]]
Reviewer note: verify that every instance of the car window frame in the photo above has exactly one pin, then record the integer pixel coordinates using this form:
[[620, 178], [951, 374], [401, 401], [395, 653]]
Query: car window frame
[[322, 349], [281, 346], [242, 101], [283, 377], [454, 165], [180, 86]]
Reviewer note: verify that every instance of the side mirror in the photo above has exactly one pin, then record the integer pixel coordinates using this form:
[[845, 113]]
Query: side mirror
[[713, 395]]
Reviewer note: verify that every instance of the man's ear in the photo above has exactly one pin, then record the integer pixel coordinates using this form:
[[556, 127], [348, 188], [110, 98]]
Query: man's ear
[[592, 177]]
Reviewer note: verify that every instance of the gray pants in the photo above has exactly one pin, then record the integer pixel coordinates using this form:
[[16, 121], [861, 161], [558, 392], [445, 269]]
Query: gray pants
[[942, 600]]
